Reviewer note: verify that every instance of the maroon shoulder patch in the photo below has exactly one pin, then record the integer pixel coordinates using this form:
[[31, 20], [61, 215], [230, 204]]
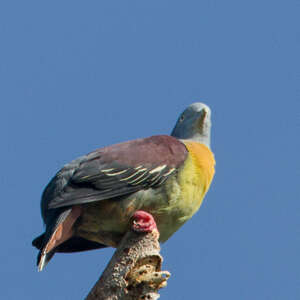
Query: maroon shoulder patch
[[149, 152]]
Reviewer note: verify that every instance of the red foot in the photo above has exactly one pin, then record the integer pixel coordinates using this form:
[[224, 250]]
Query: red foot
[[143, 221]]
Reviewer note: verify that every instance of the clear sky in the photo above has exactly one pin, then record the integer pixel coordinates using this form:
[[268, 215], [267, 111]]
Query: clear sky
[[78, 75]]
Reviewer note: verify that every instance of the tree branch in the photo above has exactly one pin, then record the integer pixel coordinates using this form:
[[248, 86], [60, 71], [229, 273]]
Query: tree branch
[[134, 271]]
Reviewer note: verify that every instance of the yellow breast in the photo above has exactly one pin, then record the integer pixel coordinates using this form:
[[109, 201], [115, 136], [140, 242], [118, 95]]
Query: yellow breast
[[196, 175]]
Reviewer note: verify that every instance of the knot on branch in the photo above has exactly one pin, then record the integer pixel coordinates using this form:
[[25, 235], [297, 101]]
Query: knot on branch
[[146, 277]]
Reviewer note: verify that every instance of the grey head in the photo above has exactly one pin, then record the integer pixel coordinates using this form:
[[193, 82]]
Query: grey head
[[194, 124]]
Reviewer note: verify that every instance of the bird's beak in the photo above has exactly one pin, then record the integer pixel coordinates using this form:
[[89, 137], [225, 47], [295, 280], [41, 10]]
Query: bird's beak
[[201, 118]]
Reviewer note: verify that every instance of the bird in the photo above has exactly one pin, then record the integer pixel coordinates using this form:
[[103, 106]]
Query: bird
[[89, 203]]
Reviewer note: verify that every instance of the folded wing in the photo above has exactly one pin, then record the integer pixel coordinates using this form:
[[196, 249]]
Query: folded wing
[[114, 171]]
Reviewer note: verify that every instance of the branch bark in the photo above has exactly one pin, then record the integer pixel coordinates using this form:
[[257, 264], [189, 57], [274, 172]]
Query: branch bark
[[134, 271]]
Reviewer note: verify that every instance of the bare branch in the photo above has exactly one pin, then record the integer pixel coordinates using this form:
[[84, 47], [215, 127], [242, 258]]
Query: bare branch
[[134, 271]]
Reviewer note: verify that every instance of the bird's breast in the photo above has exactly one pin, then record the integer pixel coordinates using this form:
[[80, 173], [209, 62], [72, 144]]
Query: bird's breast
[[196, 175]]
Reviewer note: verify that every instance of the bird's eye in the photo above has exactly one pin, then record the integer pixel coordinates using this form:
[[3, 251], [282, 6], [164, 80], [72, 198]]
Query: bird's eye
[[181, 118]]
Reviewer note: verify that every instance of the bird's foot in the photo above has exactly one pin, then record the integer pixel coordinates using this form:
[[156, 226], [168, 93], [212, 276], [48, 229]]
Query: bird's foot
[[143, 221]]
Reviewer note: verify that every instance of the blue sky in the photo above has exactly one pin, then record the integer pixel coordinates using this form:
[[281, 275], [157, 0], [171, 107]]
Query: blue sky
[[78, 75]]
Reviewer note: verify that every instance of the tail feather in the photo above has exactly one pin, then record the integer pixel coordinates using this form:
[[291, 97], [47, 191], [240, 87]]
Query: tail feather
[[59, 238], [57, 231], [43, 258], [74, 244], [38, 241]]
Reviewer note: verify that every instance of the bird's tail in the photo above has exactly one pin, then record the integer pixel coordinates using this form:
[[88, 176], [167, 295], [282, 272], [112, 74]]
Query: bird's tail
[[56, 233], [74, 244], [43, 257], [59, 237]]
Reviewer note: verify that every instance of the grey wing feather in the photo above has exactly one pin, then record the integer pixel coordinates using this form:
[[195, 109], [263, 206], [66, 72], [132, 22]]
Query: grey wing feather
[[91, 181]]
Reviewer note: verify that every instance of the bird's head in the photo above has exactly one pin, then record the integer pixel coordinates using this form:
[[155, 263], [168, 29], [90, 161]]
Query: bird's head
[[194, 124]]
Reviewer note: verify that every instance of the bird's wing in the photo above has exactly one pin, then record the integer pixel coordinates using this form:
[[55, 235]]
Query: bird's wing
[[116, 170]]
